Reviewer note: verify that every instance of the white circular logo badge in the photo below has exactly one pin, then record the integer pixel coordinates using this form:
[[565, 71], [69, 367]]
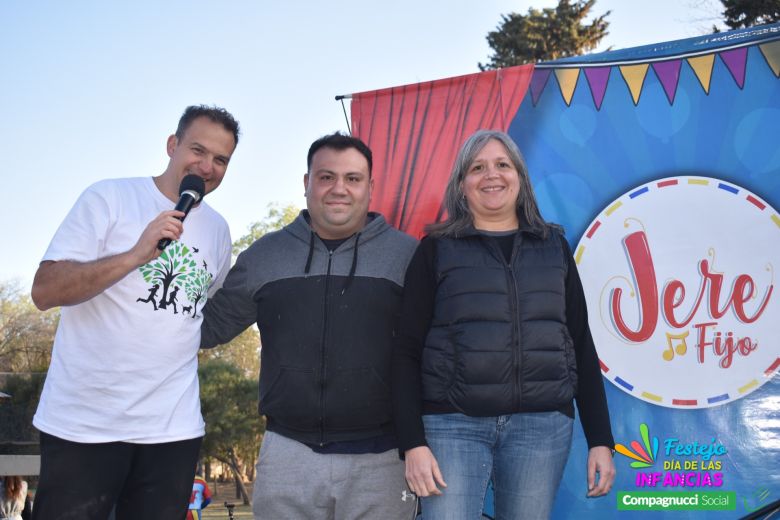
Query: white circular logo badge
[[679, 279]]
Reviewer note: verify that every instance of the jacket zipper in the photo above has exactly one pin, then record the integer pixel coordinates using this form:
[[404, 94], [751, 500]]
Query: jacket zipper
[[515, 316], [516, 394], [323, 350], [515, 306]]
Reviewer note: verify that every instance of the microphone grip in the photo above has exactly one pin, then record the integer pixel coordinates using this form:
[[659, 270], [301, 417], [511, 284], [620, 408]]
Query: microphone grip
[[186, 201]]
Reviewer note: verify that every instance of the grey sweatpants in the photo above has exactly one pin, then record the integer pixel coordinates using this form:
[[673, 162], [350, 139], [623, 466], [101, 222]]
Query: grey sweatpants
[[293, 482]]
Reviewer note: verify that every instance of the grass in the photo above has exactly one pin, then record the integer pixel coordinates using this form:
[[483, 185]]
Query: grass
[[227, 493], [217, 510]]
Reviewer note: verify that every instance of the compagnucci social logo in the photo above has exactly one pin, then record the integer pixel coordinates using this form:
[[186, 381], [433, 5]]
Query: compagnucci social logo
[[674, 474], [687, 463]]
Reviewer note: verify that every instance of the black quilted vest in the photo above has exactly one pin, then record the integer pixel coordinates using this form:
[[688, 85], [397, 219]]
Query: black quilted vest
[[498, 342]]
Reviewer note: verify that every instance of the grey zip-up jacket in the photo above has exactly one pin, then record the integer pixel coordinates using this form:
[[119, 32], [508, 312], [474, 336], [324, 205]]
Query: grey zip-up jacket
[[327, 322]]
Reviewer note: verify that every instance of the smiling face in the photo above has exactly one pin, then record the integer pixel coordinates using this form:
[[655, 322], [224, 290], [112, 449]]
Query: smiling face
[[338, 190], [491, 187], [204, 150]]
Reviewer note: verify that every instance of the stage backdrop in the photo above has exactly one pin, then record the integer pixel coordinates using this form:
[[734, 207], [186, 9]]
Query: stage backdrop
[[662, 163]]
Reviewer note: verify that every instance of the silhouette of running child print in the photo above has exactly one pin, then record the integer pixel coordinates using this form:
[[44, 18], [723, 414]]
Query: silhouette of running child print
[[152, 294]]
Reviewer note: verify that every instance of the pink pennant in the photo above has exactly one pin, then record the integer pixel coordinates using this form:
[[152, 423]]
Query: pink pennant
[[736, 60], [597, 77], [668, 73]]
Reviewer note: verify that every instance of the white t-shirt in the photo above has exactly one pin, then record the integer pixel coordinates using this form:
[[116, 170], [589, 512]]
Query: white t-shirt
[[121, 370]]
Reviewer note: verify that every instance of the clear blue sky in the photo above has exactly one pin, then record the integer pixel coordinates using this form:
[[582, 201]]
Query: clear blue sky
[[92, 89]]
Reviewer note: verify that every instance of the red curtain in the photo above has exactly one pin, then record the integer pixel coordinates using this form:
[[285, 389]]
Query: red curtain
[[415, 131]]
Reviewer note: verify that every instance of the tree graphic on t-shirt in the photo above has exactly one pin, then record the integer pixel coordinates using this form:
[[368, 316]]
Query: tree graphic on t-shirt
[[174, 266], [196, 287]]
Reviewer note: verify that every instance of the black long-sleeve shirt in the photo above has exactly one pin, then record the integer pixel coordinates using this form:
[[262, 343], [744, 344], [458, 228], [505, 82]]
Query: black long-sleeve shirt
[[415, 320]]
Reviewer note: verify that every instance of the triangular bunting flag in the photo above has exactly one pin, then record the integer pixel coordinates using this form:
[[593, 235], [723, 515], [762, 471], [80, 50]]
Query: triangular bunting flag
[[668, 73], [771, 52], [538, 82], [634, 75], [567, 81], [597, 77], [702, 67], [736, 61]]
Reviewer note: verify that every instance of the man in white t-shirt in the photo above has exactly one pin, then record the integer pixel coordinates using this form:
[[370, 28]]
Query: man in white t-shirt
[[119, 415]]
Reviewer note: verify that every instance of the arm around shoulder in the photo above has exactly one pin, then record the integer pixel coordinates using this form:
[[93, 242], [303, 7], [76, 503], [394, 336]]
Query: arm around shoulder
[[232, 308]]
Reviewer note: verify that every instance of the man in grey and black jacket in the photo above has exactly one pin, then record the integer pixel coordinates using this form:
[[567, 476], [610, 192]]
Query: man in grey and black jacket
[[325, 292]]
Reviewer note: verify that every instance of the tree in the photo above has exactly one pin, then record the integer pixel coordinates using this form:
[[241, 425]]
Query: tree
[[26, 337], [196, 287], [233, 429], [17, 434], [26, 334], [173, 267], [277, 218], [545, 35], [747, 13], [242, 352]]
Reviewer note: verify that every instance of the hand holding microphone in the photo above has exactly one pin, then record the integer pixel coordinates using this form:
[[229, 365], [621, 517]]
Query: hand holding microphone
[[191, 190]]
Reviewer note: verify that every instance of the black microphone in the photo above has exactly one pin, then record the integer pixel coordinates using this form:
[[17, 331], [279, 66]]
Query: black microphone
[[191, 190]]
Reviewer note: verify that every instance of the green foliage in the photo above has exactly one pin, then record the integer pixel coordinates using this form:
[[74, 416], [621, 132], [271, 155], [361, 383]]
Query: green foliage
[[747, 13], [196, 286], [233, 427], [545, 35], [26, 334], [243, 352], [229, 405], [174, 264], [277, 217], [17, 412]]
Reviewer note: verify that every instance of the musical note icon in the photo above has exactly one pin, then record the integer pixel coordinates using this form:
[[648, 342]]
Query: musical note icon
[[681, 348]]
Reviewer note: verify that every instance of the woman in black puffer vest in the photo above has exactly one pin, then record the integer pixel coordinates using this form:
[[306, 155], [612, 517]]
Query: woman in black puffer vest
[[494, 348]]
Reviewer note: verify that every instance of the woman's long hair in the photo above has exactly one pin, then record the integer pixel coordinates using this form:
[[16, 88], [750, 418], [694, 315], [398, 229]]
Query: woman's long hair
[[459, 217], [13, 487]]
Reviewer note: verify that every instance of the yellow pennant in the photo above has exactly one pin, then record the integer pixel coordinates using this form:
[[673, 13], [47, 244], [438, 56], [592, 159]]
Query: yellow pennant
[[771, 52], [702, 67], [567, 80], [634, 76]]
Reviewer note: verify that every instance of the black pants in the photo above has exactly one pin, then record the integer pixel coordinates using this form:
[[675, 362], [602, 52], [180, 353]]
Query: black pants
[[84, 481]]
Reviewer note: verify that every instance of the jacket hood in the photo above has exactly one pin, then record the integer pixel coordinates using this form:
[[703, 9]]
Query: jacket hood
[[301, 228]]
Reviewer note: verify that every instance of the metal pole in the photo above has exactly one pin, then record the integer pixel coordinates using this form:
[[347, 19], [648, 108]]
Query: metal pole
[[344, 108]]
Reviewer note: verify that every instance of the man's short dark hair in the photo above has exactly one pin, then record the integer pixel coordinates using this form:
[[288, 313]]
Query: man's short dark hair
[[213, 113], [339, 141]]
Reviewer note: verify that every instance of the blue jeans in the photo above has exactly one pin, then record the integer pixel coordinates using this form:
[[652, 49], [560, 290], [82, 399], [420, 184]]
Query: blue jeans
[[523, 453]]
